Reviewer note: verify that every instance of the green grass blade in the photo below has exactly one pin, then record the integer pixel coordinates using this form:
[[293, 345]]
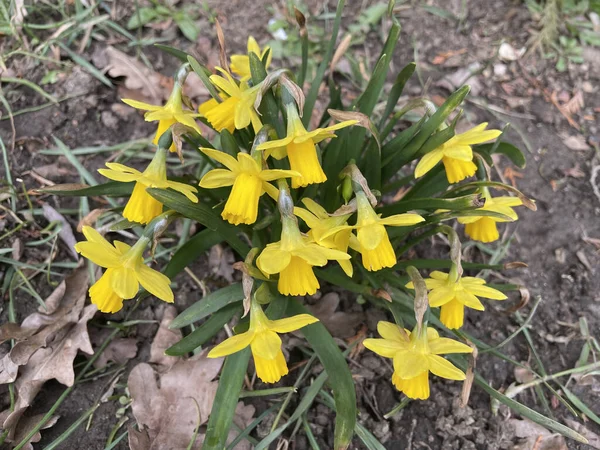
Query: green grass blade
[[86, 65], [313, 92], [228, 392], [180, 55], [204, 75], [208, 305], [340, 377], [30, 85], [111, 189], [396, 91], [204, 332], [191, 250]]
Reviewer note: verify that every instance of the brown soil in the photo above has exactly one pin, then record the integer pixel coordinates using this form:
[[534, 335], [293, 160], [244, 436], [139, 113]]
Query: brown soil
[[563, 268]]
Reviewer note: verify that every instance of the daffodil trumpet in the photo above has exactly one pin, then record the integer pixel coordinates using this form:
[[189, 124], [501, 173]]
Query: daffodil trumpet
[[415, 354], [264, 341], [125, 271]]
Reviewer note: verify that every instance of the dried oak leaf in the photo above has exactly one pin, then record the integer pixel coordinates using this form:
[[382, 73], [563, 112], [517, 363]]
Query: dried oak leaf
[[339, 323], [66, 232], [165, 338], [534, 436], [220, 262], [26, 424], [63, 307], [169, 406]]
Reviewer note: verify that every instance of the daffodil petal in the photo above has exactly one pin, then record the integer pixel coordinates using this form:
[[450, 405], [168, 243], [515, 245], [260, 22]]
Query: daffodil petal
[[486, 292], [185, 189], [276, 174], [315, 208], [155, 282], [273, 260], [391, 331], [141, 105], [401, 220], [410, 364], [383, 347], [119, 176], [227, 160], [276, 143], [370, 236], [292, 323], [428, 162], [98, 254], [440, 296], [124, 282], [232, 345], [442, 346], [444, 368], [266, 344], [162, 114], [217, 178], [460, 152], [437, 275], [469, 300]]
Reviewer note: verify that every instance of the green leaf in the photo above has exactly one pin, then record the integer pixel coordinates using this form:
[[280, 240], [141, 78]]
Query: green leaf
[[339, 377], [504, 148], [402, 206], [396, 91], [204, 332], [204, 75], [187, 26], [226, 398], [311, 97], [111, 189], [211, 303], [200, 213], [191, 250], [180, 55], [228, 143], [141, 17]]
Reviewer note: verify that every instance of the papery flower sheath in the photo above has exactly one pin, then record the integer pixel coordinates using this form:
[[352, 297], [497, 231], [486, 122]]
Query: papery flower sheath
[[456, 154], [240, 64], [264, 342], [299, 146], [142, 207], [249, 183], [172, 112], [236, 111], [416, 354], [484, 228], [293, 258], [125, 271], [372, 240], [453, 294]]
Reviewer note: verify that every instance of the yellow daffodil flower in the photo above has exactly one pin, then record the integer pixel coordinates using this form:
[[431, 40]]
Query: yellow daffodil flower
[[264, 342], [236, 111], [249, 183], [293, 258], [414, 356], [453, 296], [167, 115], [321, 223], [483, 228], [142, 207], [372, 240], [125, 271], [299, 146], [240, 64], [456, 154]]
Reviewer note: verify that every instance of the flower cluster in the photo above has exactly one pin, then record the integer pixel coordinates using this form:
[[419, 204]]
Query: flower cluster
[[305, 231]]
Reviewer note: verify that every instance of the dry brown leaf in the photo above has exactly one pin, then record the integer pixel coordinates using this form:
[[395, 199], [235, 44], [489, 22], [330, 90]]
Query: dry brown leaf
[[535, 437], [119, 350], [29, 423], [220, 262], [593, 438], [576, 142], [574, 105], [66, 232], [339, 323], [165, 338], [90, 219]]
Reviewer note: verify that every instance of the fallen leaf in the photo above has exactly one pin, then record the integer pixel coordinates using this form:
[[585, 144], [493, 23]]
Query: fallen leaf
[[90, 219], [535, 436], [574, 104], [339, 323], [574, 172], [165, 338], [120, 350], [66, 232], [576, 142], [593, 438], [220, 262], [26, 424]]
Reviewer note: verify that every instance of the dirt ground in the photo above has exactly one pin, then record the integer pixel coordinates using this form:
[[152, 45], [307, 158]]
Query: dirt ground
[[563, 263]]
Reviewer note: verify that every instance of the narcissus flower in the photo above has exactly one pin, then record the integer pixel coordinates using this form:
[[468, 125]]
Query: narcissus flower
[[167, 115], [249, 182], [483, 228], [414, 356], [240, 64], [321, 223], [456, 154], [373, 241], [142, 207], [299, 146], [264, 342], [125, 271], [293, 258], [236, 111], [453, 294]]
